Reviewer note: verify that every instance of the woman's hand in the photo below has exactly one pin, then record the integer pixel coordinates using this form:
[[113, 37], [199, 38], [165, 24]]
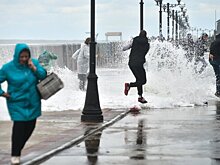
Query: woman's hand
[[6, 95], [211, 57], [31, 65]]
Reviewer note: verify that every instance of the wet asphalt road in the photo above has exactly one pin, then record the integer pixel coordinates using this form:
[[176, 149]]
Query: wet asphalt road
[[181, 136]]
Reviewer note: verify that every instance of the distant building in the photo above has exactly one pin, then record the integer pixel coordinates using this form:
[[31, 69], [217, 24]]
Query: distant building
[[107, 34]]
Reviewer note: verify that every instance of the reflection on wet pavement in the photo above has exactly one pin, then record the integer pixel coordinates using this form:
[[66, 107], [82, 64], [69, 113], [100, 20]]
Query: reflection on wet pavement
[[92, 147], [184, 136], [140, 147]]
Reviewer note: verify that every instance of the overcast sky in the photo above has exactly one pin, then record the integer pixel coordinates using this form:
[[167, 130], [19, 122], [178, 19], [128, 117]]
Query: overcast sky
[[70, 19]]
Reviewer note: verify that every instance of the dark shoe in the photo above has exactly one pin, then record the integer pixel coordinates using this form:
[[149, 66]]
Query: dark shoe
[[142, 100], [217, 94], [127, 88]]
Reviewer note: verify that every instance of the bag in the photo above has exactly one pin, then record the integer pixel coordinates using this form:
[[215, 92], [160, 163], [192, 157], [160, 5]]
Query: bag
[[49, 86]]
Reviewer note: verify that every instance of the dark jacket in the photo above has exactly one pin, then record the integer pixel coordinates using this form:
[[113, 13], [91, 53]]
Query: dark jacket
[[215, 51], [139, 49]]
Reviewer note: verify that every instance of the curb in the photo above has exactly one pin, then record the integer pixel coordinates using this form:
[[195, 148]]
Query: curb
[[73, 142]]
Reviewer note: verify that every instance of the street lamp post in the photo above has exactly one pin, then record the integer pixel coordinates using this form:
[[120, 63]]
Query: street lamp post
[[159, 2], [181, 27], [141, 15], [168, 21], [176, 26], [160, 19], [92, 111], [173, 24], [166, 7]]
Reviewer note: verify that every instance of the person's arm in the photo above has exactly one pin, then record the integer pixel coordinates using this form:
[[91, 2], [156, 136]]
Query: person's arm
[[53, 56], [31, 65], [211, 48], [76, 54], [2, 79], [40, 72], [211, 53], [211, 57], [127, 46]]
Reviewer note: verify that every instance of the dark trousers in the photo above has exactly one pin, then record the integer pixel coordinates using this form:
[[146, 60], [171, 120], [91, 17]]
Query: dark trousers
[[216, 68], [140, 75], [21, 131], [82, 81]]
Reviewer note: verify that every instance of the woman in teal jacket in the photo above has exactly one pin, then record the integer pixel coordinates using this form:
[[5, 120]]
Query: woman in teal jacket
[[23, 100]]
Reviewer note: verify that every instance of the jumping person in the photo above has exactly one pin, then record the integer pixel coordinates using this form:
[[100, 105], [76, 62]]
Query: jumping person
[[139, 48]]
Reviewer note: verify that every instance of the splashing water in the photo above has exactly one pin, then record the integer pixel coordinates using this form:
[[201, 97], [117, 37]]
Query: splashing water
[[171, 82], [172, 79]]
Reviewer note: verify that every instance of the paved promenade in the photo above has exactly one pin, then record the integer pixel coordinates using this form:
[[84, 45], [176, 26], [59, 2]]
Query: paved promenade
[[178, 136], [54, 131]]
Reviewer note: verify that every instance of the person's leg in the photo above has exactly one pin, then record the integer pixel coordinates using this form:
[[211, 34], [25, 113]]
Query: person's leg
[[80, 77], [18, 133], [131, 84], [29, 128], [84, 78], [218, 79], [204, 64], [216, 69], [140, 75], [142, 80], [196, 62], [21, 132]]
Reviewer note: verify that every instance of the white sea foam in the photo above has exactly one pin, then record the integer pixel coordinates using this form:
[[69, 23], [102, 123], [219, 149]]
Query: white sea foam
[[171, 83]]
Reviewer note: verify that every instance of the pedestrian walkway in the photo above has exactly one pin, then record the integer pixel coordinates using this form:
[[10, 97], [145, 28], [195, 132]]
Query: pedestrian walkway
[[54, 131], [179, 136]]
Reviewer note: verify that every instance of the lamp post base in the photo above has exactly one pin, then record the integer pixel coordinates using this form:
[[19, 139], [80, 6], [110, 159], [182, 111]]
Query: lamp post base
[[92, 118], [92, 111]]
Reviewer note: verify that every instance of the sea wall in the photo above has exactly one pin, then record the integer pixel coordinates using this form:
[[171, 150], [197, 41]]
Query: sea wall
[[107, 54]]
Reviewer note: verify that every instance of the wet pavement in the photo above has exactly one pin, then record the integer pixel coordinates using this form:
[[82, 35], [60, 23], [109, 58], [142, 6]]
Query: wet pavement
[[54, 131], [179, 136]]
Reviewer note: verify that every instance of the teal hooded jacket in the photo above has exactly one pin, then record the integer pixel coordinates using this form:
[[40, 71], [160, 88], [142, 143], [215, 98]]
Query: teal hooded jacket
[[24, 103]]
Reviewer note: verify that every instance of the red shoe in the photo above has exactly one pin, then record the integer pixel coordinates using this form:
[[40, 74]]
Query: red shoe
[[127, 88], [142, 100]]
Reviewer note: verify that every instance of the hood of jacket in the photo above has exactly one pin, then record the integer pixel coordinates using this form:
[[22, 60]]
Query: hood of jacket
[[18, 48]]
